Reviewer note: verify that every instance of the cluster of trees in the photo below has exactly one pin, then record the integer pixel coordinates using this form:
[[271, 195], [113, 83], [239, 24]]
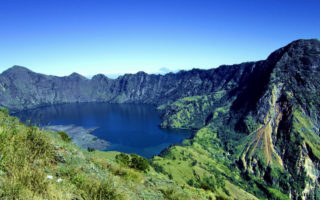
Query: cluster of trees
[[133, 161]]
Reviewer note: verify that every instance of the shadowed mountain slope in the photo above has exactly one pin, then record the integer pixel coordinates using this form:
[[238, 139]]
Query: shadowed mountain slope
[[22, 88], [269, 122]]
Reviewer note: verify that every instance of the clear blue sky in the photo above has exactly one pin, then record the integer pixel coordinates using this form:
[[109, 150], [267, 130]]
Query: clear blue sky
[[117, 36]]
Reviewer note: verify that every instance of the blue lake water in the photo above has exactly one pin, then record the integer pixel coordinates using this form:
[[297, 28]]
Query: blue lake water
[[130, 128]]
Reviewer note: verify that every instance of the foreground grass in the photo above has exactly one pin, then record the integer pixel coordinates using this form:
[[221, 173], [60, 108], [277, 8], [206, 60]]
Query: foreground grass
[[38, 164], [34, 164]]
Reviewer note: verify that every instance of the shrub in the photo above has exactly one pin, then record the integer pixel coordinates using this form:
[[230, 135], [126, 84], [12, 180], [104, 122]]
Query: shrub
[[158, 168], [173, 194], [22, 148], [123, 158], [133, 161], [4, 110], [208, 183], [139, 163], [190, 182], [194, 163], [97, 189], [64, 136], [28, 157], [221, 198], [91, 149]]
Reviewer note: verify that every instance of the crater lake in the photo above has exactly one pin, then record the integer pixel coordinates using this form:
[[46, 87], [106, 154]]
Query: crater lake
[[128, 128]]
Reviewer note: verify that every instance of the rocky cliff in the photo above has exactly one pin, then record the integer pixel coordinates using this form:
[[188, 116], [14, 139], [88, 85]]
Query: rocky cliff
[[21, 88], [269, 122], [287, 121]]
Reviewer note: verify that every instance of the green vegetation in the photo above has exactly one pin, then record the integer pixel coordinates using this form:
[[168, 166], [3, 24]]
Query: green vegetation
[[173, 194], [137, 162], [123, 159], [134, 161], [25, 154], [212, 171], [31, 166], [38, 164], [256, 136], [64, 136], [90, 149], [265, 151], [4, 111], [221, 161], [304, 126], [211, 160], [193, 112]]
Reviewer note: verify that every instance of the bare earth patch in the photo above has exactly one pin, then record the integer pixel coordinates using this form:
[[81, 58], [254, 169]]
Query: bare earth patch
[[81, 136]]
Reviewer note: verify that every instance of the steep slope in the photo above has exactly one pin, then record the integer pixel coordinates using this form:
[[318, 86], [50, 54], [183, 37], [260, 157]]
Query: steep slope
[[270, 122], [287, 113]]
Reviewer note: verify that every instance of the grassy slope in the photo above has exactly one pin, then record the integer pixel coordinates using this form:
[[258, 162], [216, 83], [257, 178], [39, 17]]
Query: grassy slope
[[193, 164], [198, 169], [191, 112], [304, 126], [209, 145], [29, 155]]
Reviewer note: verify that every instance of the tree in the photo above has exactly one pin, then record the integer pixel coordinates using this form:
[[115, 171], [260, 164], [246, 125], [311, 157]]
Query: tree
[[123, 159], [139, 163]]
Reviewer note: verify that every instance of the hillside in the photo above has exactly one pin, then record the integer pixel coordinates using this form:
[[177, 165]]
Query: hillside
[[269, 124], [38, 164], [257, 132]]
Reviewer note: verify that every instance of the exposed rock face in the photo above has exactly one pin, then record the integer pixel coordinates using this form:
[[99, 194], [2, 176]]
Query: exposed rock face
[[287, 114], [277, 106]]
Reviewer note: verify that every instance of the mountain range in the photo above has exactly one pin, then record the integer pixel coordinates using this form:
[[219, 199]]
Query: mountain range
[[261, 119], [24, 89]]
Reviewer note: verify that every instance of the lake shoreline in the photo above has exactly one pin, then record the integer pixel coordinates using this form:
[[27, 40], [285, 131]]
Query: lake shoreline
[[81, 137], [129, 128]]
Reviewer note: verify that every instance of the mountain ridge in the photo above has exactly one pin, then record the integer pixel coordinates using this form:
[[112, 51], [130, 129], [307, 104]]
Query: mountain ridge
[[129, 88]]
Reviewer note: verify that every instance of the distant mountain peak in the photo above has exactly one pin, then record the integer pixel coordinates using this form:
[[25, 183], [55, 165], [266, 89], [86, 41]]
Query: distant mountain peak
[[141, 73], [99, 77], [18, 68], [304, 41], [77, 75], [305, 45], [295, 49]]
